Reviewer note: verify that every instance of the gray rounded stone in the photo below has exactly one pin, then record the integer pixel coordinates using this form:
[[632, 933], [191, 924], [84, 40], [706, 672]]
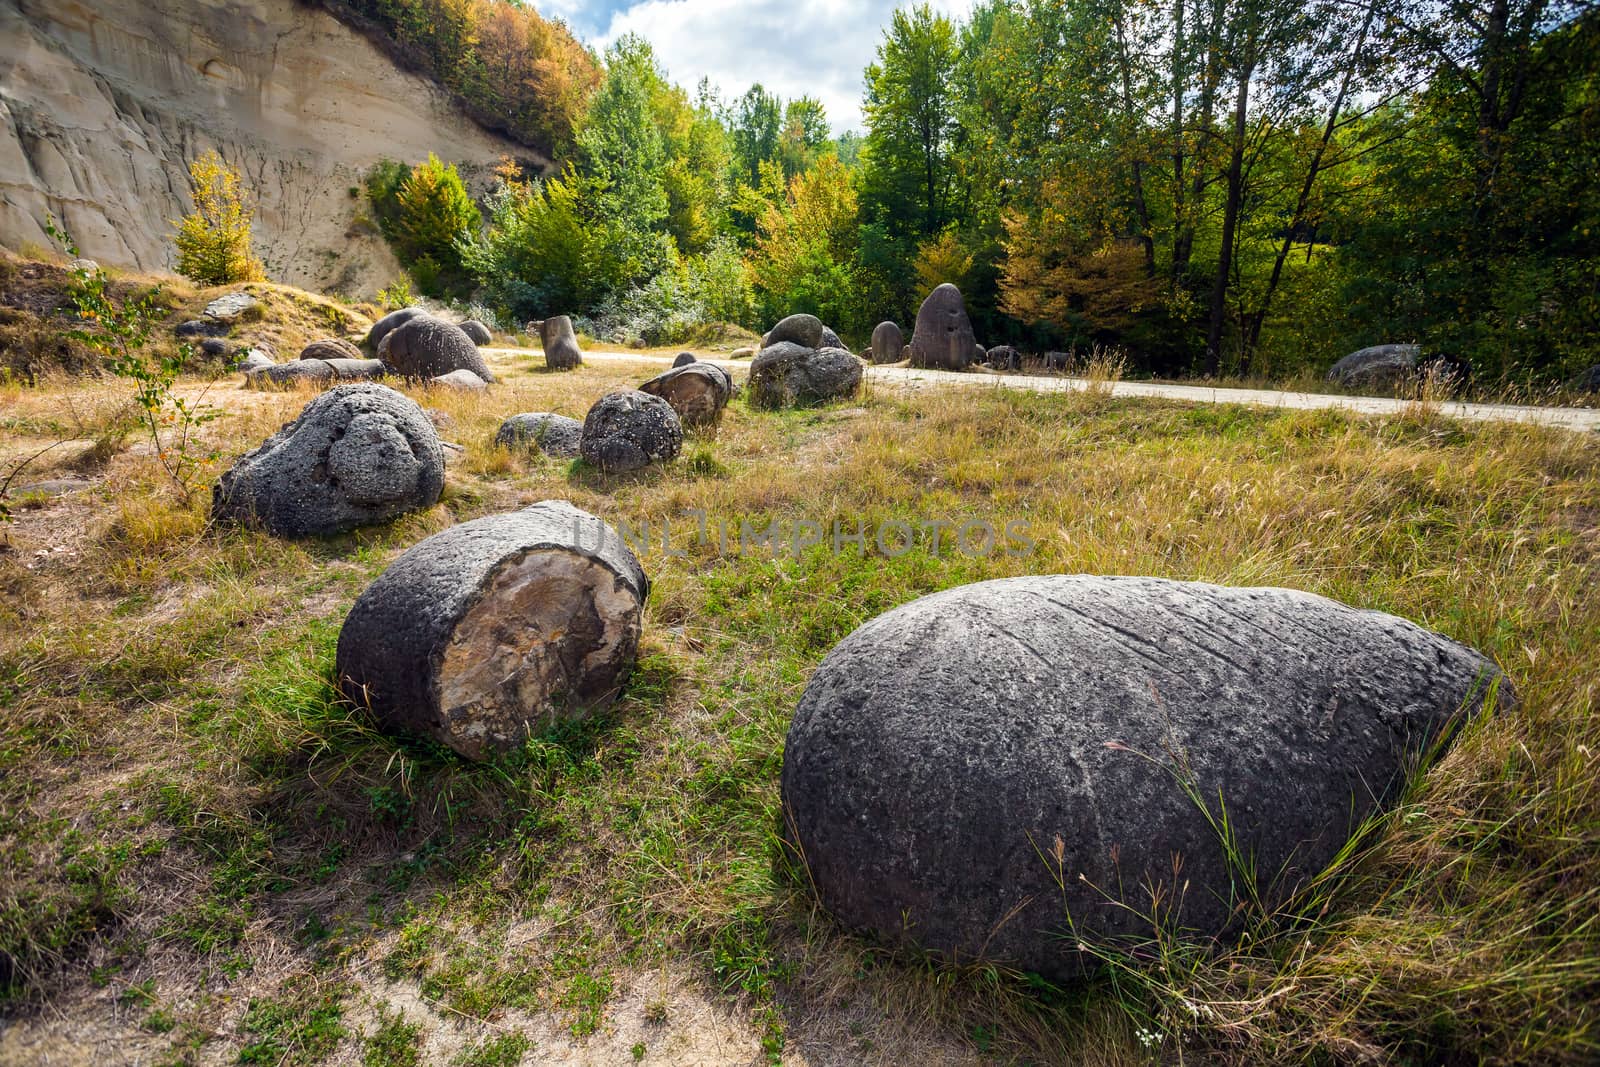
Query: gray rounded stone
[[357, 370], [496, 629], [477, 331], [230, 306], [359, 454], [943, 338], [331, 348], [187, 331], [540, 431], [1004, 357], [391, 322], [628, 430], [460, 379], [215, 347], [426, 348], [254, 361], [887, 343], [830, 339], [683, 359], [786, 375], [803, 330], [1376, 366], [316, 371], [697, 392], [992, 772]]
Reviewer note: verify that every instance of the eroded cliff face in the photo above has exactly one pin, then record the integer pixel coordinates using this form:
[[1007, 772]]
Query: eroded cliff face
[[102, 106]]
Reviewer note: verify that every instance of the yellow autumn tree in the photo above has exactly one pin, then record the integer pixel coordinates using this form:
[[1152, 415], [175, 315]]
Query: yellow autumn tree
[[214, 239], [942, 260]]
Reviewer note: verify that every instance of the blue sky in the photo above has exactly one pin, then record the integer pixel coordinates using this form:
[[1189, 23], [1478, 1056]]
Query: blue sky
[[793, 47]]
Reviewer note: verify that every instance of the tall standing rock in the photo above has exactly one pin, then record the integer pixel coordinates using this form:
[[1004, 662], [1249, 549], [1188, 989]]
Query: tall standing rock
[[887, 343], [943, 339], [1005, 770], [561, 351], [358, 455], [496, 629]]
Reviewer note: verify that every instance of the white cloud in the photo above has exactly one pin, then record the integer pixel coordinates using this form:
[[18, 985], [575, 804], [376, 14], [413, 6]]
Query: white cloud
[[793, 47]]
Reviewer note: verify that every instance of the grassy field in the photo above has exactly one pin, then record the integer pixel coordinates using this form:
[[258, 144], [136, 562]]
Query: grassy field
[[207, 858]]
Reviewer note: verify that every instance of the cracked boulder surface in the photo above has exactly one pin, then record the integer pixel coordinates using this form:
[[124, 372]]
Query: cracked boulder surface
[[425, 348], [358, 455], [1000, 771], [497, 629], [629, 430], [787, 375], [697, 391]]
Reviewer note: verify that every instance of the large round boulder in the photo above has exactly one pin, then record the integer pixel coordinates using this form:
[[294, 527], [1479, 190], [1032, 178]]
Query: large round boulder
[[560, 343], [540, 431], [477, 332], [331, 348], [496, 629], [427, 348], [1380, 365], [887, 342], [1005, 770], [943, 339], [357, 455], [803, 330], [628, 430], [697, 392], [786, 375], [391, 322]]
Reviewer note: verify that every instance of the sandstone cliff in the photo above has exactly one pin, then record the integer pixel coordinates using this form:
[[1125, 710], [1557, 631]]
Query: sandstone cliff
[[102, 105]]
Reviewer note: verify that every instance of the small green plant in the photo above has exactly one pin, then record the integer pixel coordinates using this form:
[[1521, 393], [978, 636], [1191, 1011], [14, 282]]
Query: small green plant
[[120, 330], [504, 1051], [303, 1027], [396, 295], [394, 1043]]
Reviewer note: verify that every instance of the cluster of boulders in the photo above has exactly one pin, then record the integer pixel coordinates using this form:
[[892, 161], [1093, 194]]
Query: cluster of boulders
[[802, 361], [943, 339], [1004, 772], [1393, 366], [409, 343]]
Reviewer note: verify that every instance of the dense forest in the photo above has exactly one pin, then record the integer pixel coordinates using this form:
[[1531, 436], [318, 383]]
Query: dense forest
[[1227, 187]]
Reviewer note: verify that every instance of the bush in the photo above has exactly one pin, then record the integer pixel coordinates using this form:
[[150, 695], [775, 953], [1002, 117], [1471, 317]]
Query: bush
[[214, 239]]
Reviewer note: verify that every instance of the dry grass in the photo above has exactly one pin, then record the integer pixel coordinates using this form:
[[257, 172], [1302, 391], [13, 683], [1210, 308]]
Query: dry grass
[[185, 808]]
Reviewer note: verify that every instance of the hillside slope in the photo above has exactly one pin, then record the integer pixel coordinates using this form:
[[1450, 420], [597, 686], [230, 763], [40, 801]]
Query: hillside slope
[[102, 106]]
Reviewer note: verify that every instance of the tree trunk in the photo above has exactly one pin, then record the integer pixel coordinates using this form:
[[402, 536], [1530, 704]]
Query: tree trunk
[[1211, 74], [1132, 127], [496, 629], [1230, 224], [1253, 331]]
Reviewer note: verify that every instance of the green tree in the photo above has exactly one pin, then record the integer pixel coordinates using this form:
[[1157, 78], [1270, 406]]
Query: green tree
[[805, 135], [435, 216], [213, 240], [911, 117], [623, 161], [806, 258], [755, 125]]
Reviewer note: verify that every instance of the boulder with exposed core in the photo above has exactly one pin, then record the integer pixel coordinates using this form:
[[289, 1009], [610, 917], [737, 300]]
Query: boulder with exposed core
[[497, 629]]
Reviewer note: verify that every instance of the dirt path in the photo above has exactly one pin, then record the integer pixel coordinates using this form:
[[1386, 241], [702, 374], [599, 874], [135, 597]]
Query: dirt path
[[1579, 419]]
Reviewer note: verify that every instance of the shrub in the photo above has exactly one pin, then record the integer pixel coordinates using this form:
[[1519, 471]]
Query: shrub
[[214, 239]]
